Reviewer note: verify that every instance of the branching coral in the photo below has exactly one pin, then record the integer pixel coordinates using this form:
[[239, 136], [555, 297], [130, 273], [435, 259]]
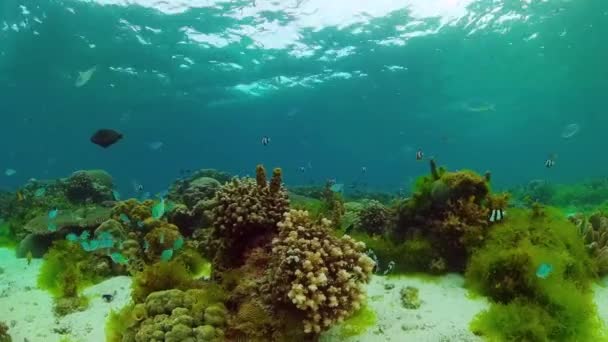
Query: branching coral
[[247, 209], [245, 205], [318, 273]]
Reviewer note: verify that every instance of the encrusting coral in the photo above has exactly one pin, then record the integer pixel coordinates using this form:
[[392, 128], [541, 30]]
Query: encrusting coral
[[374, 218], [172, 316], [318, 273]]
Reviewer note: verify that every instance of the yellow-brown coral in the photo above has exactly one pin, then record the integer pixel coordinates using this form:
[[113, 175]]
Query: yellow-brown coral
[[245, 204], [160, 238], [319, 274], [136, 211]]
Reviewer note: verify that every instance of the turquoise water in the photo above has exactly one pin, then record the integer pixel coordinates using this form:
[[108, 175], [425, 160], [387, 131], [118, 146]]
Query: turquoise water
[[488, 85], [352, 99]]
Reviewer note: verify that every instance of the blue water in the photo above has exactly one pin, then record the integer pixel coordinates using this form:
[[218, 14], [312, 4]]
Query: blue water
[[338, 85]]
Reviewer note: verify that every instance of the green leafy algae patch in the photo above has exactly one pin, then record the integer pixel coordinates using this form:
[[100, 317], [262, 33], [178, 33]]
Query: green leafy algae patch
[[358, 323], [535, 271]]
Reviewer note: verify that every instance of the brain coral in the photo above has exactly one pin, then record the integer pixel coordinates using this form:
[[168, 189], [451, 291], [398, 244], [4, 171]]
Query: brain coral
[[322, 275]]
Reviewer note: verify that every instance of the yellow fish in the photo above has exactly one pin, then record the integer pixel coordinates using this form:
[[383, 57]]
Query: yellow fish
[[20, 196]]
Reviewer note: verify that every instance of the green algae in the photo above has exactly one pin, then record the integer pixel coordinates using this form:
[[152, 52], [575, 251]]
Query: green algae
[[6, 239], [358, 323], [118, 322], [524, 306]]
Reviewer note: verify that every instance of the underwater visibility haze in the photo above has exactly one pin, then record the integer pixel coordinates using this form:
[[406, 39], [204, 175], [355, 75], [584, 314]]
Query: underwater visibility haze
[[303, 170]]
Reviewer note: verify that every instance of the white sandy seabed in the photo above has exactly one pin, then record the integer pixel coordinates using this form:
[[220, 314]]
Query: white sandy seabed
[[444, 314]]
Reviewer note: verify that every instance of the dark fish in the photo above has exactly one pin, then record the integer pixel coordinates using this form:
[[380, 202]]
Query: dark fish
[[105, 137], [549, 163], [265, 140], [419, 155], [107, 297]]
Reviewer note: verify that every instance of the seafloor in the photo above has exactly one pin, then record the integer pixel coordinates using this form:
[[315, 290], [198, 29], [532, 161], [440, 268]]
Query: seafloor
[[444, 314]]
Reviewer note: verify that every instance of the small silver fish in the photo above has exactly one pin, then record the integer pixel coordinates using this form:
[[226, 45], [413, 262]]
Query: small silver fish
[[419, 155], [363, 169]]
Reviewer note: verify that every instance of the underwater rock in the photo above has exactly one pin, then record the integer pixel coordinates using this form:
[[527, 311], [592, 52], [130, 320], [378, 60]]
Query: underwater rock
[[82, 218], [374, 218], [200, 189], [410, 298], [93, 186]]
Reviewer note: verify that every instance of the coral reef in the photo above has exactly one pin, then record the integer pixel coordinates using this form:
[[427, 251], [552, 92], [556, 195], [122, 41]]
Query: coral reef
[[452, 209], [89, 186], [172, 315], [161, 276], [246, 209], [374, 218], [319, 274], [194, 197], [534, 269]]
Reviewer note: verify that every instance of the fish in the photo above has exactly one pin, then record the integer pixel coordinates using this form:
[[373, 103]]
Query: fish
[[158, 210], [156, 145], [53, 213], [40, 192], [178, 243], [84, 77], [20, 196], [137, 187], [337, 187], [166, 255], [118, 258], [549, 163], [497, 215], [363, 169], [419, 155], [52, 226], [124, 218], [544, 270], [389, 268], [265, 140], [116, 195], [106, 137], [302, 169], [10, 172], [71, 237], [108, 297]]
